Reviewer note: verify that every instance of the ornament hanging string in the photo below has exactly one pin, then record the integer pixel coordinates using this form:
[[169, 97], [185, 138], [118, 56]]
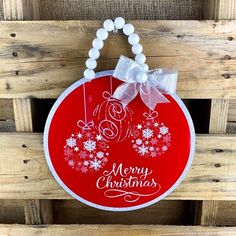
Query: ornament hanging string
[[85, 104], [85, 124]]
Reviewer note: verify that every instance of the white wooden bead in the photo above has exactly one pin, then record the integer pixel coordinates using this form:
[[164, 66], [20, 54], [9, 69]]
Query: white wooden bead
[[89, 74], [94, 53], [108, 25], [119, 22], [137, 48], [141, 77], [145, 67], [140, 58], [128, 29], [102, 34], [133, 39], [97, 43], [91, 63]]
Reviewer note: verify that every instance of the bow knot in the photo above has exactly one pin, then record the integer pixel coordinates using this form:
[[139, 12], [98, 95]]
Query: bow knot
[[151, 85]]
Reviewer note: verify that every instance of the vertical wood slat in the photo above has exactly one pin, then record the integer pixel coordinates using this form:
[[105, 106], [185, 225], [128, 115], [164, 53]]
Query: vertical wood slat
[[220, 10], [215, 10], [36, 211]]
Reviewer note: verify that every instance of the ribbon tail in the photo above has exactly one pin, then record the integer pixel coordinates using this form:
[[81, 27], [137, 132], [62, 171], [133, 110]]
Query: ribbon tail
[[151, 96], [125, 93]]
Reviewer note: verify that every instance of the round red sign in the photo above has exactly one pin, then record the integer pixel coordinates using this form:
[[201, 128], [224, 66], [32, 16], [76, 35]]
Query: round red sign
[[113, 157]]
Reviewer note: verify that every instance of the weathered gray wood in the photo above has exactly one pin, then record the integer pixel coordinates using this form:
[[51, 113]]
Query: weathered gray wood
[[25, 174], [117, 230], [41, 59], [19, 10]]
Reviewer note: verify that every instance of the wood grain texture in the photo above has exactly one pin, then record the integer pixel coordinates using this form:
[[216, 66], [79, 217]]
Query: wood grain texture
[[36, 211], [226, 10], [20, 9], [41, 59], [25, 175], [23, 115], [217, 10], [117, 230], [218, 116]]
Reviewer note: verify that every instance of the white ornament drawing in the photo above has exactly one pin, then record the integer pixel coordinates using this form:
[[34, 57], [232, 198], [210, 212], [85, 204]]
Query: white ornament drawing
[[114, 121], [151, 138], [85, 150]]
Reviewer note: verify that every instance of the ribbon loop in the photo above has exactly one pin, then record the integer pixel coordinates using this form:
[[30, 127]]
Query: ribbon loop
[[85, 125], [152, 90]]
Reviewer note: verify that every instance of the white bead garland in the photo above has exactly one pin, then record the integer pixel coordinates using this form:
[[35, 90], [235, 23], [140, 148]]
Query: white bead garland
[[140, 58], [89, 74], [145, 67], [119, 22], [128, 29], [137, 48], [102, 34], [94, 53], [91, 63], [133, 39], [97, 43], [108, 25]]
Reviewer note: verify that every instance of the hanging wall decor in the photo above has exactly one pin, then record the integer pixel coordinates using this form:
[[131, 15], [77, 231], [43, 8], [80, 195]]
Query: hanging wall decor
[[122, 139]]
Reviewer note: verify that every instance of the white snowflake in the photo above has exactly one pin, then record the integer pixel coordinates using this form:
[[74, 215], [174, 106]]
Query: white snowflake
[[95, 164], [143, 150], [99, 137], [164, 130], [76, 149], [79, 135], [90, 145], [147, 133], [138, 141], [139, 126], [100, 155], [71, 142], [156, 124]]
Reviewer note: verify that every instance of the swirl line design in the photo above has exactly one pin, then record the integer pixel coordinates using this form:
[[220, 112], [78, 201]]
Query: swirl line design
[[128, 196]]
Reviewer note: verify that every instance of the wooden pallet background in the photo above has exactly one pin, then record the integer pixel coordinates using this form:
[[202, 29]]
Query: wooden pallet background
[[39, 59]]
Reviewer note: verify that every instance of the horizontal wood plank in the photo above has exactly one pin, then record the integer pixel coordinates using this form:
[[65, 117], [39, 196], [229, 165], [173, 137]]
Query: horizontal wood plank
[[25, 175], [107, 230], [41, 58]]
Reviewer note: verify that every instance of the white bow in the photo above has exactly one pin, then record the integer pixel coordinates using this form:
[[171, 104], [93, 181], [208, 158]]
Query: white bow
[[150, 85]]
